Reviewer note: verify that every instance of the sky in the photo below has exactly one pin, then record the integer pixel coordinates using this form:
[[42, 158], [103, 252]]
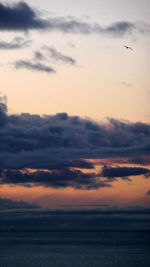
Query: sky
[[74, 114]]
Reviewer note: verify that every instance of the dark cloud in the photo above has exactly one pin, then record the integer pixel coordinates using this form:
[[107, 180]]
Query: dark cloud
[[16, 43], [113, 172], [8, 204], [82, 164], [3, 111], [38, 55], [26, 64], [64, 177], [108, 218], [109, 210], [21, 17], [57, 56], [148, 193], [61, 143], [28, 133], [56, 179]]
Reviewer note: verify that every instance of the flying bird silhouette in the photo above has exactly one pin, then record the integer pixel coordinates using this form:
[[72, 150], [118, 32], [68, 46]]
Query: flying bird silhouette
[[128, 47]]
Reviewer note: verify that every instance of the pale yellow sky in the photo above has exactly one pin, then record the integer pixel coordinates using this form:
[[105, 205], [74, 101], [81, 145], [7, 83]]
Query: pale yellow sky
[[107, 81]]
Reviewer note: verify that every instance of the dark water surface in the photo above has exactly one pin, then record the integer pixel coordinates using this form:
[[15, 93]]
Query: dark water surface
[[74, 249]]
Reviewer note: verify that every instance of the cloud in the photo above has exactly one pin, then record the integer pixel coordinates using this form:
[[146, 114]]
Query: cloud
[[65, 177], [57, 56], [52, 53], [61, 132], [126, 84], [142, 160], [113, 172], [3, 110], [38, 56], [26, 64], [119, 28], [61, 144], [148, 193], [56, 179], [8, 204], [116, 29], [106, 218], [21, 17], [16, 43]]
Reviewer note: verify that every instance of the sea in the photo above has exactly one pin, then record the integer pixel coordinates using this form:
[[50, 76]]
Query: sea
[[75, 249]]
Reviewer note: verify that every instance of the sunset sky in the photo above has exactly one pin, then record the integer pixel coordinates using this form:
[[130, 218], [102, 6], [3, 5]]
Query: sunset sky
[[74, 114]]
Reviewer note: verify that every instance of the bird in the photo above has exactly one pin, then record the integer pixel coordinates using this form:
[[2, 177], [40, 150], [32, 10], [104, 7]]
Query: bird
[[128, 47]]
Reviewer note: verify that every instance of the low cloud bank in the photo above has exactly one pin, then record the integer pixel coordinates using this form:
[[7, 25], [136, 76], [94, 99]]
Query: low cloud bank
[[24, 216], [62, 144]]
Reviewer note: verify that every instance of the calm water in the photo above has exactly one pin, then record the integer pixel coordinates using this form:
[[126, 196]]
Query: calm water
[[75, 249]]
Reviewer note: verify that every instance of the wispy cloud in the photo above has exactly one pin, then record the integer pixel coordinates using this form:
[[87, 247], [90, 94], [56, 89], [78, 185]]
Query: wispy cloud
[[16, 43], [58, 56], [25, 64], [116, 29], [126, 84], [35, 63], [38, 56]]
